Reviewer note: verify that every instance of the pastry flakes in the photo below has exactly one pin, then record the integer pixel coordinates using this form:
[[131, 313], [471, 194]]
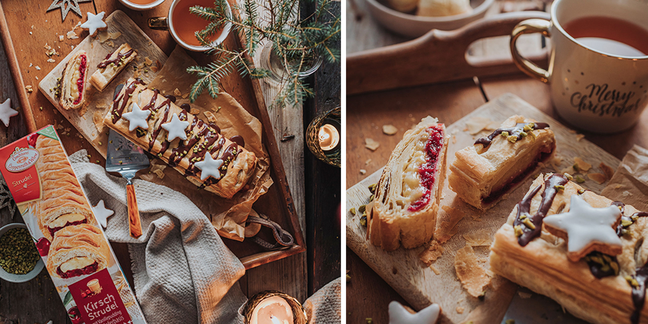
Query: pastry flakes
[[598, 288], [482, 173]]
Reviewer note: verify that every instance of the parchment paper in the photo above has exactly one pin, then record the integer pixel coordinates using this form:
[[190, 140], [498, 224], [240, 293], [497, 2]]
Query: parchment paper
[[630, 181], [227, 215]]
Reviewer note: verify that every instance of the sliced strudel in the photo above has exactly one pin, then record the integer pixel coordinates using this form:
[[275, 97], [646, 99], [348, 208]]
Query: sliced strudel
[[193, 147], [407, 196], [78, 250], [73, 81], [581, 249], [114, 63], [482, 173]]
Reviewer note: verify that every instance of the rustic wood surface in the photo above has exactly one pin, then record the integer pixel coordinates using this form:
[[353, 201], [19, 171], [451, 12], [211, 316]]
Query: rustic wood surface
[[403, 270], [36, 301]]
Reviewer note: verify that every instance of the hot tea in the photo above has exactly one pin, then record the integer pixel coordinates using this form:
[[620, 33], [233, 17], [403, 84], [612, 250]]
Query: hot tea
[[609, 35], [186, 24], [141, 2]]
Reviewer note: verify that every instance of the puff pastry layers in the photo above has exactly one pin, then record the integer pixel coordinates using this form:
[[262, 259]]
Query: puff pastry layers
[[407, 196], [482, 173], [63, 202], [238, 163], [595, 288], [114, 63], [78, 250], [73, 81]]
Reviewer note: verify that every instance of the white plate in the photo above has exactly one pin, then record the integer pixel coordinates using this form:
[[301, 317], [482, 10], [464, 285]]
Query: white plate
[[414, 26], [16, 277]]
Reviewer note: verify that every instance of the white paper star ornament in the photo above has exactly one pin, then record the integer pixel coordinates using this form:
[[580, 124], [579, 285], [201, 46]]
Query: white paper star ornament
[[6, 112], [94, 23], [137, 118], [399, 315], [587, 229], [176, 128], [209, 167], [102, 213]]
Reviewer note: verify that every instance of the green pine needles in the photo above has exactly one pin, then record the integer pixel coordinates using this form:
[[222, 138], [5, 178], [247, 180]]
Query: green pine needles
[[297, 43]]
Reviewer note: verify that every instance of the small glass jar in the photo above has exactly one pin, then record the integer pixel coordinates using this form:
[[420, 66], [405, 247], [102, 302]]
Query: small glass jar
[[273, 63]]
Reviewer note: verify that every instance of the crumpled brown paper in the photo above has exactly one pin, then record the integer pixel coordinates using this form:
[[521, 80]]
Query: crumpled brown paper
[[227, 215], [630, 181]]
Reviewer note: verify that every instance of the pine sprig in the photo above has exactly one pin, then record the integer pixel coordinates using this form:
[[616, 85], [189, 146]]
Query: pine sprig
[[297, 42]]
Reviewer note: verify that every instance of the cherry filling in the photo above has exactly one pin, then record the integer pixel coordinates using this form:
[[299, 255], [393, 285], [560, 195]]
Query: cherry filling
[[79, 83], [78, 272], [427, 170], [56, 229]]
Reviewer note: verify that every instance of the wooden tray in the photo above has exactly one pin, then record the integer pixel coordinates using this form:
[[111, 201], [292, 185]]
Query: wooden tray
[[25, 29], [419, 285]]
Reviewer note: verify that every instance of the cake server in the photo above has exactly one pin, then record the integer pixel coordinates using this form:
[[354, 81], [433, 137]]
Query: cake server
[[126, 158]]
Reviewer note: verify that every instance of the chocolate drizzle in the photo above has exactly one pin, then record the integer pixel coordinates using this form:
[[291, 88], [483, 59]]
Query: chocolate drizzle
[[118, 109], [238, 139], [599, 264], [516, 131], [117, 59], [156, 131], [524, 206]]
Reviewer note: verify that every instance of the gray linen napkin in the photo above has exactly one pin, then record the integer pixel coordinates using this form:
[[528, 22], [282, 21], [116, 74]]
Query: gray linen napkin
[[182, 270]]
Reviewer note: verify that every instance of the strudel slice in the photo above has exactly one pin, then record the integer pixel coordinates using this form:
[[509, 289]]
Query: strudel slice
[[185, 142], [408, 193], [73, 81], [597, 270], [114, 63], [78, 250], [482, 173]]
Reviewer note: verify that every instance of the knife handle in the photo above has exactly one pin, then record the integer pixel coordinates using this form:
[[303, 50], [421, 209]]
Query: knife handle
[[134, 224]]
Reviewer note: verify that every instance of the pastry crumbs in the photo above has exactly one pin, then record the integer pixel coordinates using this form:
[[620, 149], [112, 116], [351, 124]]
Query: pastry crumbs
[[435, 270], [194, 111], [449, 220], [371, 144], [579, 137], [609, 172], [582, 165], [473, 277], [389, 129], [480, 238], [460, 310], [210, 116], [177, 92], [598, 177], [432, 253]]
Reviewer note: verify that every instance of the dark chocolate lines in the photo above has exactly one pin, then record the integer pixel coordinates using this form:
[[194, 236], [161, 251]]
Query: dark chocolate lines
[[516, 131], [117, 59]]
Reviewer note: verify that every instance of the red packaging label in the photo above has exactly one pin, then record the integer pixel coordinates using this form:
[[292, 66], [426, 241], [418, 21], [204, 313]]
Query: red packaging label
[[98, 300], [19, 171]]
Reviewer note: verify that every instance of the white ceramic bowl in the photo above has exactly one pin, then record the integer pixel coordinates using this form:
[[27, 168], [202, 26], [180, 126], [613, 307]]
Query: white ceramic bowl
[[140, 7], [414, 26], [16, 277]]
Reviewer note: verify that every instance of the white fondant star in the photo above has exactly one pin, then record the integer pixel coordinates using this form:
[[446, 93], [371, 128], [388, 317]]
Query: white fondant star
[[6, 112], [209, 167], [102, 213], [94, 22], [176, 128], [399, 315], [585, 224], [137, 117]]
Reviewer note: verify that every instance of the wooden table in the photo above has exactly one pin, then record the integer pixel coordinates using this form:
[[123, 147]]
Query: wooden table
[[37, 301], [367, 294]]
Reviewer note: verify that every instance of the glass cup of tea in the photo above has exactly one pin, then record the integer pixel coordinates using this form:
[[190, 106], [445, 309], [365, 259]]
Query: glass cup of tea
[[183, 25], [598, 65], [140, 5]]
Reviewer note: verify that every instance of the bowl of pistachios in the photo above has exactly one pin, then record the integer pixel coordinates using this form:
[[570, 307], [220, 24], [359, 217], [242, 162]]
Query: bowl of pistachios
[[19, 258]]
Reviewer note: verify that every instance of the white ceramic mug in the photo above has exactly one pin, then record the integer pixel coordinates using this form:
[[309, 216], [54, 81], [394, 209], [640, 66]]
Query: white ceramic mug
[[592, 90], [141, 7], [165, 23]]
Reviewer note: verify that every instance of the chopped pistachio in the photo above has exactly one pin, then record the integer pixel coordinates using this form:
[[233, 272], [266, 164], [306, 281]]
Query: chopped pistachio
[[523, 134], [352, 211], [559, 187], [632, 281], [528, 224], [348, 278], [372, 188], [510, 321], [615, 267], [581, 191], [626, 222], [362, 208], [633, 217], [512, 139], [568, 176], [576, 168], [363, 220], [523, 216], [518, 230], [505, 134], [533, 135], [371, 198], [369, 320]]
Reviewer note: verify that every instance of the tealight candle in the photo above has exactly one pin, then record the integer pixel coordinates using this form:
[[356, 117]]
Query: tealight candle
[[272, 310], [328, 137]]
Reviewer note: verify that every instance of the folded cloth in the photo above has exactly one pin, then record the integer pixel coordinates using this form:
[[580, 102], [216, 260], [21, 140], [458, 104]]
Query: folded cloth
[[324, 306], [182, 270]]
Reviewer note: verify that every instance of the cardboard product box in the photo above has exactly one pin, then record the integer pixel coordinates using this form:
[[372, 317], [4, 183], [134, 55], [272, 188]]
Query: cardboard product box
[[71, 242]]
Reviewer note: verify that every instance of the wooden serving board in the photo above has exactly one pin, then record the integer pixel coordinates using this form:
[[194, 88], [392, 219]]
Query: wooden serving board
[[98, 102], [418, 284]]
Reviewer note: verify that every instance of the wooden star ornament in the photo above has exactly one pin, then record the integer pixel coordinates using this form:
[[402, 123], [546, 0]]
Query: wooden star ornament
[[399, 315], [66, 6]]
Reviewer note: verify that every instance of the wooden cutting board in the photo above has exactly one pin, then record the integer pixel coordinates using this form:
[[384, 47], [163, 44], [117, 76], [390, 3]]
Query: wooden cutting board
[[98, 102], [418, 284]]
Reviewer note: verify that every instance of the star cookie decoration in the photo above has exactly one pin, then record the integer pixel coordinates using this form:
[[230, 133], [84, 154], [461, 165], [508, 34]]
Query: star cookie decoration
[[209, 167], [587, 229], [176, 128], [6, 112], [137, 118], [66, 6], [399, 315], [94, 23], [102, 213]]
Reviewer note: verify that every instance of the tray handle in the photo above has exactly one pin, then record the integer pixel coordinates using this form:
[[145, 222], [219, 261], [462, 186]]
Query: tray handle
[[437, 56]]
